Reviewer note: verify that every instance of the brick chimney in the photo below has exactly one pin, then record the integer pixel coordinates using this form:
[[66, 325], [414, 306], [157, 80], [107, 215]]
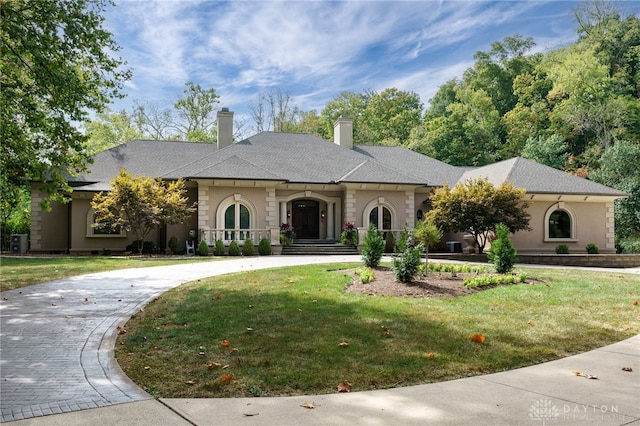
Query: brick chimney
[[225, 128], [343, 132]]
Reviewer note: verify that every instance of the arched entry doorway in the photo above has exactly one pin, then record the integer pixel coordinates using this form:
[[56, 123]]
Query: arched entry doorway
[[305, 216]]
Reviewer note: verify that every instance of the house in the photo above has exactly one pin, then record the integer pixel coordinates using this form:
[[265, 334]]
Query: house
[[248, 189]]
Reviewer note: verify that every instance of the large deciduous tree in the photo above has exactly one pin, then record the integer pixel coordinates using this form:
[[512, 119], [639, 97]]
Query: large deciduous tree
[[476, 206], [140, 204], [56, 66]]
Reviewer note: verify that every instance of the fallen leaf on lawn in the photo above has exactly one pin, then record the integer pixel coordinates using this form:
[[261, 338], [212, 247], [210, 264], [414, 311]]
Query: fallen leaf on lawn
[[627, 369], [224, 367], [478, 338], [190, 382], [431, 355], [239, 360], [344, 387], [635, 302], [267, 363], [225, 344], [250, 330], [233, 351], [343, 344], [309, 405], [213, 365], [218, 296], [201, 353], [147, 368], [121, 330], [227, 378]]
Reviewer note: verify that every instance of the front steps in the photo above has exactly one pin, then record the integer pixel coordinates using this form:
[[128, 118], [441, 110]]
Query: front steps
[[317, 248]]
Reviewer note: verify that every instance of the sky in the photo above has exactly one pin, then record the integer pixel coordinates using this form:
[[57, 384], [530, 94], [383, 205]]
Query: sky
[[314, 50]]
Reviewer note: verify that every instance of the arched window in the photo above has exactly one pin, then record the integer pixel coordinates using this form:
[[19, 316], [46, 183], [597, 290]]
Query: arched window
[[380, 216], [560, 223], [380, 213], [235, 219]]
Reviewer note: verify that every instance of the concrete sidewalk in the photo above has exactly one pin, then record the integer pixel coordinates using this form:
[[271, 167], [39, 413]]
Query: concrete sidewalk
[[57, 367]]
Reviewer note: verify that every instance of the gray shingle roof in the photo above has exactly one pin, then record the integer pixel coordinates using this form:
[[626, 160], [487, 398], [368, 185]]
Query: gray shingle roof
[[304, 158], [537, 178]]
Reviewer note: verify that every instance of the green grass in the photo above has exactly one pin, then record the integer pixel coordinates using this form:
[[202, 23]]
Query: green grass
[[285, 328], [18, 272]]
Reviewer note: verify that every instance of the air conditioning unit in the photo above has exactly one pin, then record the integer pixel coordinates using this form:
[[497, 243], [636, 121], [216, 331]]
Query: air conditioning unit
[[19, 243]]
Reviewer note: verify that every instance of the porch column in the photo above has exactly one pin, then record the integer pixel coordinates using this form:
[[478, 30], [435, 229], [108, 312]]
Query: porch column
[[283, 213], [330, 221]]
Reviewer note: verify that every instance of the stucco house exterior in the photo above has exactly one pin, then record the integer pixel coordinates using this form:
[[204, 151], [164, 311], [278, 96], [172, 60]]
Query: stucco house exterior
[[248, 189]]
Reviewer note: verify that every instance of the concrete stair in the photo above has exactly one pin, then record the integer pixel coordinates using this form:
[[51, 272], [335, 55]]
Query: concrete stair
[[317, 247]]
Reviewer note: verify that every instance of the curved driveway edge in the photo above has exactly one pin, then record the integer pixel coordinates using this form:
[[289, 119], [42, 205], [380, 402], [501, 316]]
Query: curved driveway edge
[[57, 338], [56, 356]]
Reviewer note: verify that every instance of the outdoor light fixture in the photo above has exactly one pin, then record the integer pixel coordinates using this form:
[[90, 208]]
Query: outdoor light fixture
[[420, 215], [322, 214]]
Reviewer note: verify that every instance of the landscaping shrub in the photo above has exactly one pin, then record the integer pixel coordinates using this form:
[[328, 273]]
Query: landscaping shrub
[[455, 268], [406, 265], [174, 245], [218, 248], [264, 247], [203, 248], [389, 243], [372, 248], [147, 247], [562, 249], [365, 274], [248, 249], [487, 280], [592, 249], [234, 248], [502, 253]]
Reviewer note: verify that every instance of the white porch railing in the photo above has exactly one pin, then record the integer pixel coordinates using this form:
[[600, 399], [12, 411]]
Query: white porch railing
[[238, 235]]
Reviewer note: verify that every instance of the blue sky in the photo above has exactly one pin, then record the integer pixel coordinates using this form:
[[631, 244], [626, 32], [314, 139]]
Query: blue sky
[[314, 50]]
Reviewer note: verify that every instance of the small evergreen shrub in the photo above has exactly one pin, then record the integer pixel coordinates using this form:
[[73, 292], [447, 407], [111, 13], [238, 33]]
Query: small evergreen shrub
[[372, 248], [389, 243], [264, 247], [592, 249], [203, 248], [234, 248], [365, 274], [502, 253], [174, 245], [562, 249], [406, 265], [218, 248], [248, 249]]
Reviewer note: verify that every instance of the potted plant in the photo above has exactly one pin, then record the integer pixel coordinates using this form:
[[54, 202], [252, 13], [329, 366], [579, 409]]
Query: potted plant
[[287, 235], [349, 234]]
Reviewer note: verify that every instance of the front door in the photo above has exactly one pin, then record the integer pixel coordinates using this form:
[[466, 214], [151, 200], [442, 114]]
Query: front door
[[305, 215]]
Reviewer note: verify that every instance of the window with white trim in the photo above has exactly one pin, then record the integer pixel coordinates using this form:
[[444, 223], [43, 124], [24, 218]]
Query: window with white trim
[[93, 232], [560, 224]]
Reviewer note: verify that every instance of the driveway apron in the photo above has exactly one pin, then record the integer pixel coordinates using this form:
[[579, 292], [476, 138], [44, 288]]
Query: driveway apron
[[57, 338]]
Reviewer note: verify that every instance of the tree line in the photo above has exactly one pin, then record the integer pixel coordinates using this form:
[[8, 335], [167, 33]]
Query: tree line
[[575, 108]]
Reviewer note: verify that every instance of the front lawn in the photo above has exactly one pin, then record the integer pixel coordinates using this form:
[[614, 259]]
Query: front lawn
[[18, 272], [295, 331]]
